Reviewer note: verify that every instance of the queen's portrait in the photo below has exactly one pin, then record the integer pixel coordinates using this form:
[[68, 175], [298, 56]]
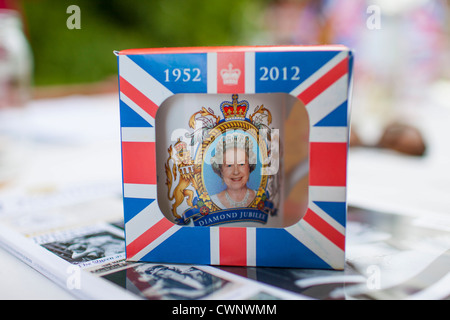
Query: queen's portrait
[[234, 160]]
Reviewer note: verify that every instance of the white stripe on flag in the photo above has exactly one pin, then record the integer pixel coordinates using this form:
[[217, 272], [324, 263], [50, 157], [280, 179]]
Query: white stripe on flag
[[251, 247], [211, 63], [166, 235], [328, 100], [137, 109], [138, 134], [331, 194], [327, 218], [328, 134], [214, 245], [141, 222], [142, 81], [250, 72], [320, 73], [141, 191], [318, 243]]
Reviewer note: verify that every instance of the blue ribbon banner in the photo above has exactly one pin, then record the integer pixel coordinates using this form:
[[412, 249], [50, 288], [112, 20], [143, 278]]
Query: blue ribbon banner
[[223, 216], [231, 215]]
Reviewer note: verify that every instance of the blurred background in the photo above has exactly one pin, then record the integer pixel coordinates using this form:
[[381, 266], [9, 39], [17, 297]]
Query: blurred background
[[401, 49], [72, 56], [60, 157], [51, 49]]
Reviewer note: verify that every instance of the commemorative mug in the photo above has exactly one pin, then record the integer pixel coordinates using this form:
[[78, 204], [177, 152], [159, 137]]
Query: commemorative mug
[[237, 160]]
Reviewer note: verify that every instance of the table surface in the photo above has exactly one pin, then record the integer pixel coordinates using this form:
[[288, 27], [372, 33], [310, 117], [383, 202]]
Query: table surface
[[398, 226]]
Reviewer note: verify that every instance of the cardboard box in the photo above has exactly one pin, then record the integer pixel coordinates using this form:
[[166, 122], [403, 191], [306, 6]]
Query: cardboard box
[[235, 155]]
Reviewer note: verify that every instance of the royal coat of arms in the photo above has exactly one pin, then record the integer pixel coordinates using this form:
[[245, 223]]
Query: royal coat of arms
[[225, 170]]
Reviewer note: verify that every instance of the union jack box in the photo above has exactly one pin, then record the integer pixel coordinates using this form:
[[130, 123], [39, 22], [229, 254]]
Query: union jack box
[[235, 155]]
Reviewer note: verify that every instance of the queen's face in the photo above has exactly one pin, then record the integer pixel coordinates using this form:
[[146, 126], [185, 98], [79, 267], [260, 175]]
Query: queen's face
[[236, 169]]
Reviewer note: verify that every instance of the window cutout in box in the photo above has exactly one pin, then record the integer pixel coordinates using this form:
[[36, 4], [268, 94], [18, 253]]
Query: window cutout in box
[[237, 160]]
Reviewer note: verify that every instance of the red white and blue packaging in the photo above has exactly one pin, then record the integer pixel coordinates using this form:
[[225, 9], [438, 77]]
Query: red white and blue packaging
[[217, 143]]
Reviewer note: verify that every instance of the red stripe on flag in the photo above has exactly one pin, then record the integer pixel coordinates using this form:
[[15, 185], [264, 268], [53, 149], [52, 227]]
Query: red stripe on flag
[[323, 83], [146, 238], [229, 65], [139, 162], [328, 164], [233, 246], [138, 97], [325, 229]]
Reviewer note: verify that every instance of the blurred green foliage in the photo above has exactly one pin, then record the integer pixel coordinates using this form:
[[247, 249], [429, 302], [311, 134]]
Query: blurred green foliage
[[64, 56]]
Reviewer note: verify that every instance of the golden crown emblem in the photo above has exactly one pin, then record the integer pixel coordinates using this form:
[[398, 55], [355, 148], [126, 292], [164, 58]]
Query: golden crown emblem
[[180, 145], [235, 110], [182, 151]]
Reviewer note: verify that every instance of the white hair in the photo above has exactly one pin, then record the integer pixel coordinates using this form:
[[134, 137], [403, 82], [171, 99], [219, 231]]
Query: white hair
[[233, 140]]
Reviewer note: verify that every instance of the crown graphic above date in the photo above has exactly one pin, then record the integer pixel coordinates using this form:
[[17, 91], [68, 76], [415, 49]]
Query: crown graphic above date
[[230, 76]]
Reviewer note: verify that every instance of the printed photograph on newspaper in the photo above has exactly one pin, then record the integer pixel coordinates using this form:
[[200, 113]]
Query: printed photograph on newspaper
[[170, 282], [86, 246]]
